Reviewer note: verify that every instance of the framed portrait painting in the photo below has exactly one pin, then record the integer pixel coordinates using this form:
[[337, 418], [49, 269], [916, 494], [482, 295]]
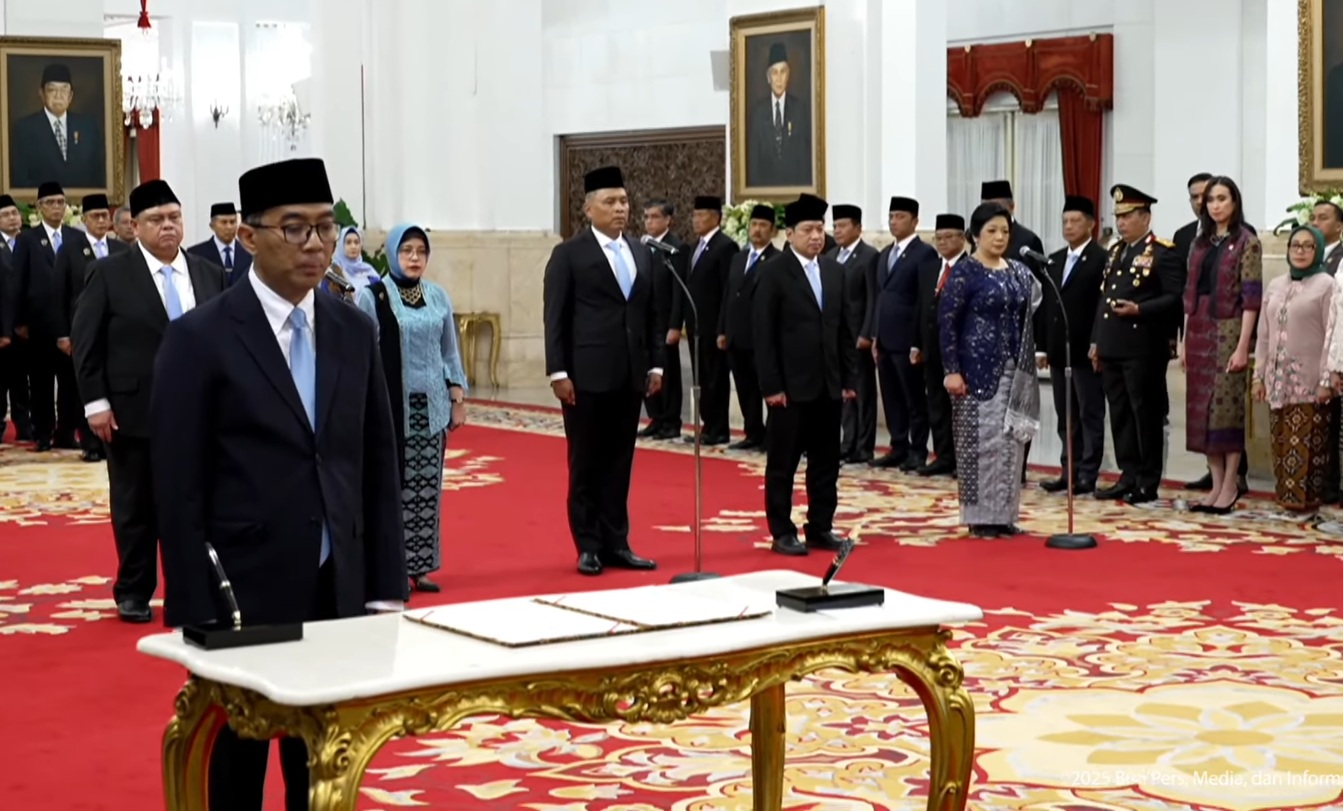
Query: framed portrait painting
[[61, 117], [1320, 94], [777, 99]]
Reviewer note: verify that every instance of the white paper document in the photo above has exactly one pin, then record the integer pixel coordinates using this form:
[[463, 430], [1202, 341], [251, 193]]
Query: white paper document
[[518, 623], [657, 607]]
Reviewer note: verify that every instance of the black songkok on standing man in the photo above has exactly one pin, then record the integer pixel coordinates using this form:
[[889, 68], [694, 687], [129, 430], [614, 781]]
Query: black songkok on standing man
[[151, 194], [301, 181]]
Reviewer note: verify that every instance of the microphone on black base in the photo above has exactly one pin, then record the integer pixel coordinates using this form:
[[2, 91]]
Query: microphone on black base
[[338, 281], [659, 246], [1070, 539]]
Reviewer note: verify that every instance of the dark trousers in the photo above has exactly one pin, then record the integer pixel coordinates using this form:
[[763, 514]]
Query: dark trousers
[[811, 428], [664, 408], [1136, 391], [14, 389], [749, 398], [237, 776], [600, 428], [858, 422], [715, 385], [56, 408], [135, 524], [1088, 409], [939, 409], [906, 404]]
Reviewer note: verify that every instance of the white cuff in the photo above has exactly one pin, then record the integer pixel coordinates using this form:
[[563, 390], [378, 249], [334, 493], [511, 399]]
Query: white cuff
[[559, 376], [657, 371], [395, 606], [96, 407], [1039, 355]]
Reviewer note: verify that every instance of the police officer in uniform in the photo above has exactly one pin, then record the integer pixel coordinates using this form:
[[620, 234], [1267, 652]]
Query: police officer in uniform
[[1141, 288]]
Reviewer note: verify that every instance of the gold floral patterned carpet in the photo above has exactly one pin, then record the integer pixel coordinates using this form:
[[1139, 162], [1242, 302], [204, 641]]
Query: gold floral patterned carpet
[[1187, 663]]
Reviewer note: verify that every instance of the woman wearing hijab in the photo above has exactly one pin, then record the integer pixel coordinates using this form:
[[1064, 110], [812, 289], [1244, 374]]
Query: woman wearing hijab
[[988, 353], [348, 262], [418, 339], [1291, 372]]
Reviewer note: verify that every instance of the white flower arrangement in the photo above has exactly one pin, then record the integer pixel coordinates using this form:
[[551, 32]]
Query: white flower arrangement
[[72, 217], [1302, 209], [737, 219]]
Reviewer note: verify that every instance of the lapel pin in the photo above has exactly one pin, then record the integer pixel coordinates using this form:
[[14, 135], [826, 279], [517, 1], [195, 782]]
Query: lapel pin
[[76, 134], [44, 243], [88, 252]]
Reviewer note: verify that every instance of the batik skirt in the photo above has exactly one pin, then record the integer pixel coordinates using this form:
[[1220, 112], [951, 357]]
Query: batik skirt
[[422, 490], [1300, 454], [988, 459], [1215, 400]]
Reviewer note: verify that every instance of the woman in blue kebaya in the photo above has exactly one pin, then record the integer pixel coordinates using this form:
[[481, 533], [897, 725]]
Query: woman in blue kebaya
[[417, 335]]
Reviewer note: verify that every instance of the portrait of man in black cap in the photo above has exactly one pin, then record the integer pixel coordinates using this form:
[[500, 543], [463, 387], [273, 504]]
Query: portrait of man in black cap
[[57, 109], [775, 104]]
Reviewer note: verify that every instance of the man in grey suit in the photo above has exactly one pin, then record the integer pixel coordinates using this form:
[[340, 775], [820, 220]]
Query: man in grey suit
[[858, 422]]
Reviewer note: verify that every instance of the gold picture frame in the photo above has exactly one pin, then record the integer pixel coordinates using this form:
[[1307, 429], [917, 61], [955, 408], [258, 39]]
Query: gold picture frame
[[93, 158], [1320, 95], [778, 151]]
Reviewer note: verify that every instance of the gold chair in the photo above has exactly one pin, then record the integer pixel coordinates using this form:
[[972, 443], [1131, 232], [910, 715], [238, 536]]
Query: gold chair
[[468, 325]]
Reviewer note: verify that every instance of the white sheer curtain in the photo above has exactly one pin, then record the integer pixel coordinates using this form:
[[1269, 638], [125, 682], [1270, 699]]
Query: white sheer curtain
[[278, 55], [1039, 176], [977, 150]]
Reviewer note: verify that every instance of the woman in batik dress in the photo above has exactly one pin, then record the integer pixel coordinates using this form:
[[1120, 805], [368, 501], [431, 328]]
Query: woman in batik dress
[[1291, 370], [1221, 299], [988, 354], [417, 336]]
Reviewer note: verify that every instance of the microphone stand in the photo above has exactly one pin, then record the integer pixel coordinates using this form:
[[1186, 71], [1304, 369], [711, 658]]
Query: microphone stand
[[1071, 539], [698, 573]]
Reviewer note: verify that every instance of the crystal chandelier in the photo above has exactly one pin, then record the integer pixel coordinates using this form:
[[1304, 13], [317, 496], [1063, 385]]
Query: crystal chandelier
[[144, 94], [286, 118]]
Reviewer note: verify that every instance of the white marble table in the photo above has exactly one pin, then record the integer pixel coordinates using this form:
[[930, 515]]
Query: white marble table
[[351, 685]]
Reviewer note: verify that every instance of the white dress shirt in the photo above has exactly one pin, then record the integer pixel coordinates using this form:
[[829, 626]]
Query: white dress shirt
[[185, 294], [278, 310], [609, 247]]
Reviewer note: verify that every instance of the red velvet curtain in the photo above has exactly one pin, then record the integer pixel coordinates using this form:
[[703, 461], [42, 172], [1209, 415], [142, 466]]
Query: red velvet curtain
[[1081, 127], [147, 150]]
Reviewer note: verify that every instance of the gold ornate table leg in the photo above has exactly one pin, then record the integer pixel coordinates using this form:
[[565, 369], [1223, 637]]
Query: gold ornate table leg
[[937, 679], [186, 747], [768, 746], [496, 342]]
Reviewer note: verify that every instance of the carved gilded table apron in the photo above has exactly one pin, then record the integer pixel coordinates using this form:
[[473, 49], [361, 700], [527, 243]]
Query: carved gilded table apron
[[343, 737]]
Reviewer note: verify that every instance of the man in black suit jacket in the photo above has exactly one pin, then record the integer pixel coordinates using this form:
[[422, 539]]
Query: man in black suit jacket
[[56, 417], [55, 144], [807, 359], [710, 259], [858, 433], [116, 328], [13, 356], [779, 132], [895, 322], [1000, 193], [278, 453], [604, 345], [665, 407], [735, 332], [72, 262], [223, 248], [1077, 270], [926, 352]]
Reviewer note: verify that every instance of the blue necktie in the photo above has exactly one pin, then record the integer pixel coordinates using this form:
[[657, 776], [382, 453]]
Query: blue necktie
[[228, 258], [755, 257], [171, 301], [303, 368], [101, 249], [1068, 266], [814, 276], [623, 277], [55, 240]]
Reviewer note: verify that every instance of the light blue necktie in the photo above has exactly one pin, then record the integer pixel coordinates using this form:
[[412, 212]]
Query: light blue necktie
[[893, 258], [844, 255], [55, 240], [623, 277], [699, 251], [303, 368], [814, 276], [755, 257], [171, 301], [1068, 266], [100, 248]]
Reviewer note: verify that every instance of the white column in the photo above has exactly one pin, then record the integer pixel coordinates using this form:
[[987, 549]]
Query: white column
[[336, 96], [1276, 86], [1133, 127], [908, 39]]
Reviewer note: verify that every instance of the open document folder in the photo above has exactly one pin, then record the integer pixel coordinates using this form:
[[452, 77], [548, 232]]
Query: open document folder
[[527, 621]]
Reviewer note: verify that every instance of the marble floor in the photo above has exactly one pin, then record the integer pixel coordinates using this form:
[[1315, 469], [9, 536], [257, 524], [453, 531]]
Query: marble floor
[[1181, 465]]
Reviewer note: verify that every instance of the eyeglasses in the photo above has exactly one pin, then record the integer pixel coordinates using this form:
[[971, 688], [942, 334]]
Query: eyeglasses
[[1302, 246], [413, 253], [300, 233]]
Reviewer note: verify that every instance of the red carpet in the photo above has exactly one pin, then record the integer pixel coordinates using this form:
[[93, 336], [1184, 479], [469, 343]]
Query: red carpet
[[84, 712]]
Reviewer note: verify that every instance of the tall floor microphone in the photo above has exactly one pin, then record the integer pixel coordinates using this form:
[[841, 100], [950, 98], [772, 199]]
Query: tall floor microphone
[[1070, 539], [665, 252]]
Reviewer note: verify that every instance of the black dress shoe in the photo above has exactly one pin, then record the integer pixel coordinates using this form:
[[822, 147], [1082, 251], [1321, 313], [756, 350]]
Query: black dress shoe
[[43, 445], [1082, 488], [889, 460], [667, 433], [824, 541], [984, 531], [788, 545], [625, 559], [652, 429], [747, 444], [1114, 492], [1141, 495], [1204, 483], [938, 468], [423, 583], [589, 563], [91, 455], [1054, 485], [912, 463], [134, 611]]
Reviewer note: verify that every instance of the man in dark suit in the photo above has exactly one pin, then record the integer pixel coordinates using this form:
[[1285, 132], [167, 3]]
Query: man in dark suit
[[779, 132], [735, 331], [124, 225], [223, 248], [895, 322], [1143, 282], [665, 407], [278, 453], [807, 359], [1000, 192], [124, 307], [709, 263], [56, 416], [858, 435], [1328, 217], [72, 262], [1077, 270], [926, 351], [55, 144], [1185, 235], [604, 349], [13, 354]]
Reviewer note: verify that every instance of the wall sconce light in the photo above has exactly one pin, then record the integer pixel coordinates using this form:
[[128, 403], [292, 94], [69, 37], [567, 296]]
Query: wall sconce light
[[217, 112]]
